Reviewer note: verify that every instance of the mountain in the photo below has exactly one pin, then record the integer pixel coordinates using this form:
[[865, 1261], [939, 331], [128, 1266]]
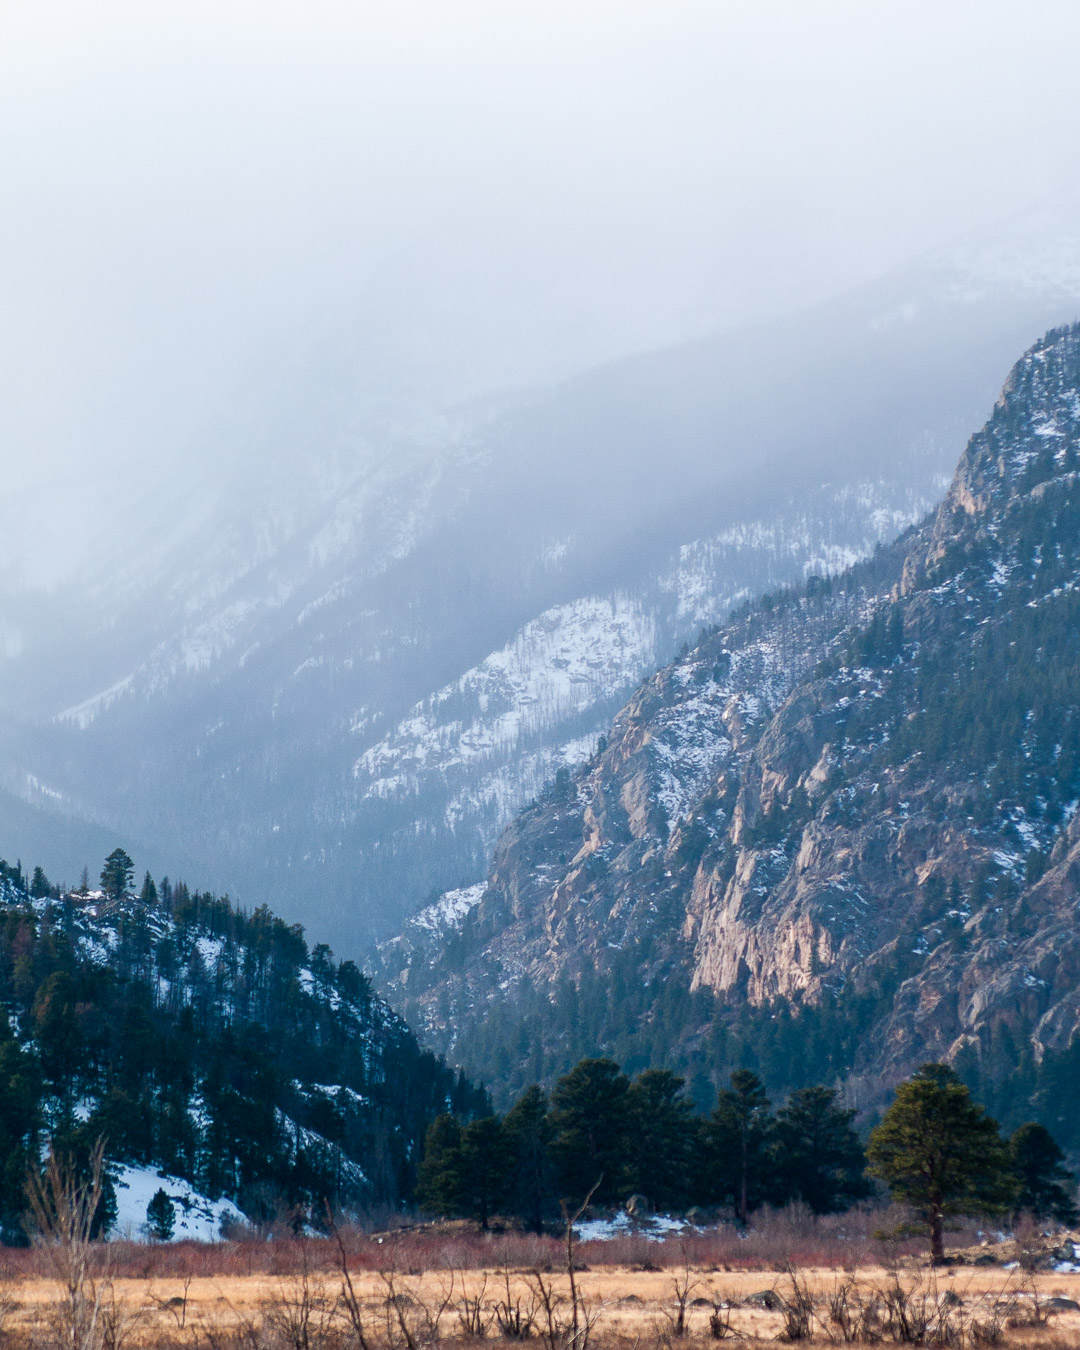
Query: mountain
[[208, 1043], [836, 839], [327, 663]]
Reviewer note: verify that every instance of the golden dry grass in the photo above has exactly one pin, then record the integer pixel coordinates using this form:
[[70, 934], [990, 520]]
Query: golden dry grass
[[637, 1307]]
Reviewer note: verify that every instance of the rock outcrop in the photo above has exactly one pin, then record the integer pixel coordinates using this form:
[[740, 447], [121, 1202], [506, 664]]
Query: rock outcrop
[[866, 784]]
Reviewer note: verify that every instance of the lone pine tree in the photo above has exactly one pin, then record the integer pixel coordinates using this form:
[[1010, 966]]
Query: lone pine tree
[[117, 874], [938, 1151], [160, 1216]]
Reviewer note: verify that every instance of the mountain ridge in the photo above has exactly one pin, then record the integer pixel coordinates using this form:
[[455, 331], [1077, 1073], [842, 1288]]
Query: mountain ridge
[[292, 629], [811, 810]]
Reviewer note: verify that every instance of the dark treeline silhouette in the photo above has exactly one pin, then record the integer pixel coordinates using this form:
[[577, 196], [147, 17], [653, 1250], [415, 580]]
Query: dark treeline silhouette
[[209, 1042], [642, 1137]]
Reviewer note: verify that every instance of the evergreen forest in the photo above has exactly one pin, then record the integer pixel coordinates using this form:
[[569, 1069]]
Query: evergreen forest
[[604, 1137], [208, 1042]]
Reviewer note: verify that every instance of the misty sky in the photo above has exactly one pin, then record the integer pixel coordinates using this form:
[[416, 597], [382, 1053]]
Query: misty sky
[[466, 196]]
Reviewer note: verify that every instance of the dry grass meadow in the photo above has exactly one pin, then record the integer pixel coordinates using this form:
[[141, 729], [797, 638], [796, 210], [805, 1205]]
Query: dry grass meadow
[[451, 1288]]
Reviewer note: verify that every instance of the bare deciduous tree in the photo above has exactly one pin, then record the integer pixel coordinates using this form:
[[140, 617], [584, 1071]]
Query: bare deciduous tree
[[63, 1205]]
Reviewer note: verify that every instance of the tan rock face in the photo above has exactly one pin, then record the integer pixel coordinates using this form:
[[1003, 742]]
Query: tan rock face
[[759, 837]]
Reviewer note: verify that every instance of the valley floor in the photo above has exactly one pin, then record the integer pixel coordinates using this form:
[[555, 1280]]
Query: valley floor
[[620, 1307]]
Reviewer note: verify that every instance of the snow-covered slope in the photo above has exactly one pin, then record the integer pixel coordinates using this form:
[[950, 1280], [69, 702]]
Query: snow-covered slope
[[483, 745], [328, 680], [196, 1219], [209, 1046]]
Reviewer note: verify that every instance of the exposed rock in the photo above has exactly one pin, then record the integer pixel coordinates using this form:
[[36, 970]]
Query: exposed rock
[[765, 1298], [787, 814]]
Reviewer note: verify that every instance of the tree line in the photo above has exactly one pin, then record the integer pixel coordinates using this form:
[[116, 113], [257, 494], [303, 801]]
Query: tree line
[[936, 1150], [207, 1041]]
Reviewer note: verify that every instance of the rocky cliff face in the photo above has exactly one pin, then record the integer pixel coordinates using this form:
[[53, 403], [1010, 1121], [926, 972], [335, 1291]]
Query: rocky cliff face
[[326, 666], [864, 789]]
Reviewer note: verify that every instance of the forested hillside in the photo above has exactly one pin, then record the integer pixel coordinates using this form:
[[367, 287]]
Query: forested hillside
[[207, 1042], [835, 839]]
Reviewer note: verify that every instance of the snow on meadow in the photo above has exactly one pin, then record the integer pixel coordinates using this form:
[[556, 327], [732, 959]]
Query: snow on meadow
[[656, 1227]]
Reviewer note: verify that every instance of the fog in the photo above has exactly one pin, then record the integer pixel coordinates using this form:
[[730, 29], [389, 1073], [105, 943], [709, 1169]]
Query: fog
[[463, 197], [353, 474]]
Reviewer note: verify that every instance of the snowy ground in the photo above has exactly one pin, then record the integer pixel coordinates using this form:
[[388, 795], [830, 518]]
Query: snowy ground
[[196, 1217], [656, 1227]]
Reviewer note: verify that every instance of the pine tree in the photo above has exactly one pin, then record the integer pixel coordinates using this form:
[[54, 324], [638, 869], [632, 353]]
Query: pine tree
[[149, 894], [1047, 1188], [39, 884], [939, 1152], [590, 1118], [818, 1152], [527, 1126], [739, 1134], [117, 874], [20, 1122], [440, 1179], [485, 1168], [160, 1216], [661, 1139]]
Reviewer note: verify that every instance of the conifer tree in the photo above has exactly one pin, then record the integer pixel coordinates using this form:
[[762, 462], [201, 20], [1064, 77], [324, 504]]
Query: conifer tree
[[20, 1122], [818, 1153], [440, 1180], [485, 1168], [661, 1139], [938, 1151], [590, 1118], [527, 1126], [160, 1216], [740, 1135], [117, 874], [1047, 1188]]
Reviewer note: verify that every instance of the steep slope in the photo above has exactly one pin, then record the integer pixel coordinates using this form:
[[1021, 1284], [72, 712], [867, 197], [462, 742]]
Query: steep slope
[[840, 836], [331, 680], [206, 1042]]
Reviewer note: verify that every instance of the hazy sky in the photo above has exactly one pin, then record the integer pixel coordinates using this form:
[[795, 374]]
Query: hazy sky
[[470, 195]]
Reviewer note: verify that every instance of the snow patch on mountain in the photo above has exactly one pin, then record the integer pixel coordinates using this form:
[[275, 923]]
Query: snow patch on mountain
[[556, 666], [690, 746], [500, 792], [82, 714], [449, 910], [846, 525]]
